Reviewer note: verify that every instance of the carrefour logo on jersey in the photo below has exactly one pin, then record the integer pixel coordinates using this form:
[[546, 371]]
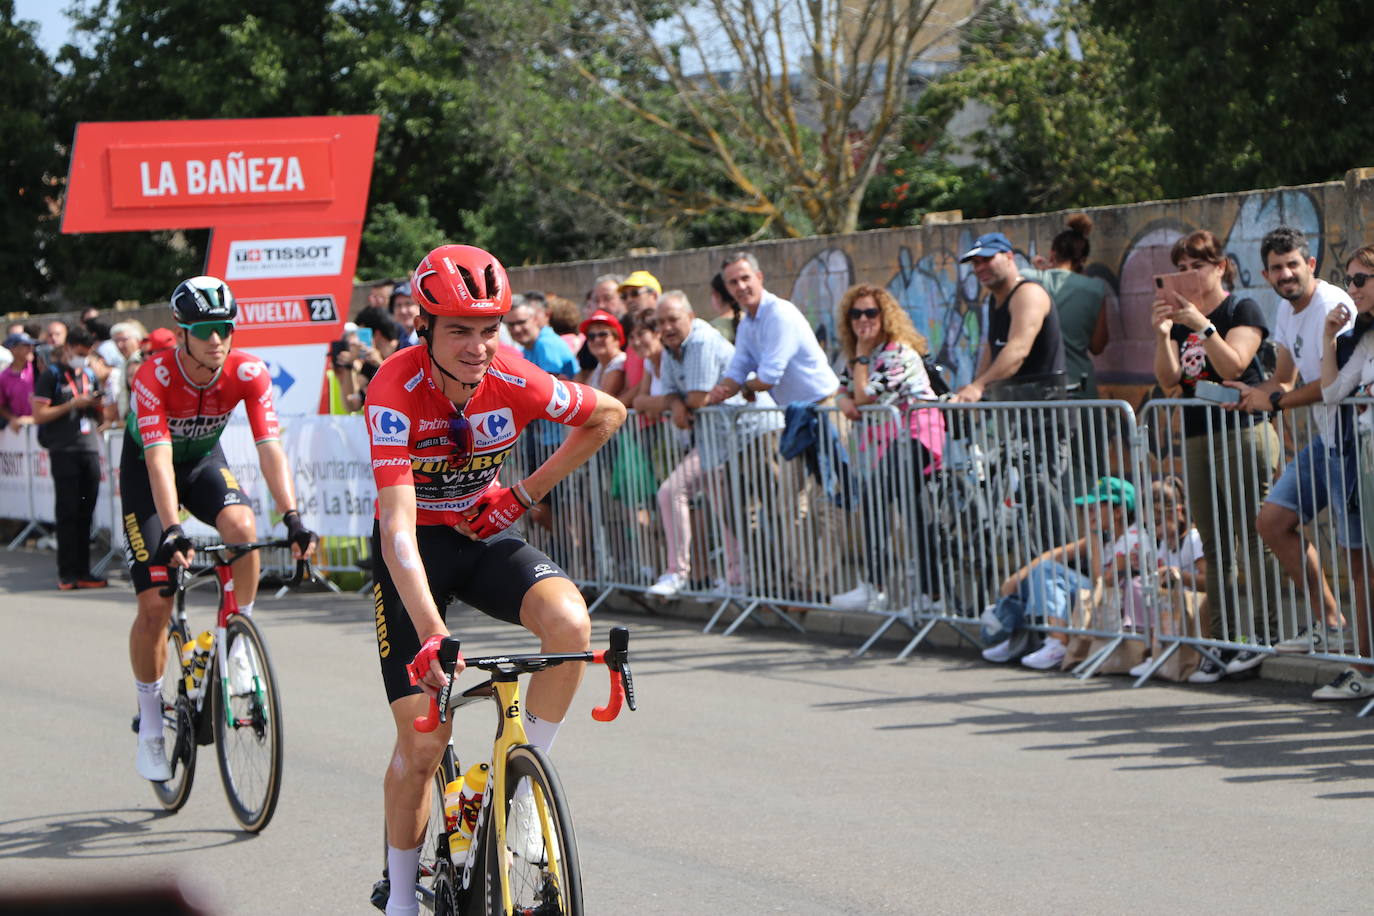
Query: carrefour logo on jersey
[[493, 428], [258, 259], [388, 426]]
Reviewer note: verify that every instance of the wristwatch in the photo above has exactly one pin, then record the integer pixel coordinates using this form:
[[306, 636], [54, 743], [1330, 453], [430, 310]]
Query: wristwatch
[[1274, 398], [1208, 331], [861, 360]]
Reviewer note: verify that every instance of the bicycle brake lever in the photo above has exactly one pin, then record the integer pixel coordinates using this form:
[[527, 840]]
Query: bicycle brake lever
[[617, 661], [449, 648], [178, 573], [302, 570]]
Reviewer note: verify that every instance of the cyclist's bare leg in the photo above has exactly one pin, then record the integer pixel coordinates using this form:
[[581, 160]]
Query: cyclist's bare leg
[[148, 636], [554, 611], [237, 525], [410, 771]]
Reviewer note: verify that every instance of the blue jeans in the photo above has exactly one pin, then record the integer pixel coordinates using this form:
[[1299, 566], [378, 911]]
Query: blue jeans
[[1051, 590], [1309, 483]]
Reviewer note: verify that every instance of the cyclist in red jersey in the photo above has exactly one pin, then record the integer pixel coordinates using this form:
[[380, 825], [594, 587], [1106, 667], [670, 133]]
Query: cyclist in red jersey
[[442, 419], [181, 401]]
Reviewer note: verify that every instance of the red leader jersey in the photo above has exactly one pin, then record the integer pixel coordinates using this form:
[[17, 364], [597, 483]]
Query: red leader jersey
[[167, 407], [408, 426]]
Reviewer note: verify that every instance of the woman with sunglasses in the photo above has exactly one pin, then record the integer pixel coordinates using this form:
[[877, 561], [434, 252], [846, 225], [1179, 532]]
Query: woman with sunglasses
[[442, 419], [1348, 371], [1231, 456], [182, 400], [606, 341], [885, 364]]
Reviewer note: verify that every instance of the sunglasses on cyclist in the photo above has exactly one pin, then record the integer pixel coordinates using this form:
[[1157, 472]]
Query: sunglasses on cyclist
[[1357, 280], [202, 330], [856, 314], [461, 438]]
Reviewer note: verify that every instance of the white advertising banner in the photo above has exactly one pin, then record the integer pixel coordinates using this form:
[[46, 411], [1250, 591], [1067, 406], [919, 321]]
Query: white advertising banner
[[297, 377], [329, 457]]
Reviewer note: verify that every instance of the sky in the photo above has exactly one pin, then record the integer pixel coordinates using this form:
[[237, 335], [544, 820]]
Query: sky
[[53, 23]]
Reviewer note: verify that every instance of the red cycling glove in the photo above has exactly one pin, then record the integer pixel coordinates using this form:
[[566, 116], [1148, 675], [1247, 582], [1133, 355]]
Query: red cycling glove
[[419, 665], [495, 511]]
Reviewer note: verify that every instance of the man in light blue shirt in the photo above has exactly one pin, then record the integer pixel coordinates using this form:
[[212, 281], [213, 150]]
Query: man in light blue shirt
[[774, 341]]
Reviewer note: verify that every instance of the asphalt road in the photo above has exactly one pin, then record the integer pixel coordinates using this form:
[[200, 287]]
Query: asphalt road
[[760, 775]]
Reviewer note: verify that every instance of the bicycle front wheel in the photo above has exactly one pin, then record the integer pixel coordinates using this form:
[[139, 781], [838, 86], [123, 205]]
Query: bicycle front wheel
[[178, 730], [248, 734], [539, 862]]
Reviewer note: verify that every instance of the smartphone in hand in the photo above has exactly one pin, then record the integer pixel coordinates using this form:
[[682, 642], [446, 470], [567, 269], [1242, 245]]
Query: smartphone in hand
[[1217, 394], [1187, 283]]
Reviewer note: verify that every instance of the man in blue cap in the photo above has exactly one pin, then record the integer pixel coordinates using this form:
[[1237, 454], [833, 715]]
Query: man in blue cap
[[1024, 352]]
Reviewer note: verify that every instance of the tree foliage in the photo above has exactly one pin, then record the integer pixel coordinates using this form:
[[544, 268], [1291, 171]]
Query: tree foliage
[[1059, 132], [1254, 94]]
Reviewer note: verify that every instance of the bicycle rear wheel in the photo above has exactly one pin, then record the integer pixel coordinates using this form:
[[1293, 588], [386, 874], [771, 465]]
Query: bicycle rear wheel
[[249, 738], [545, 876], [178, 730]]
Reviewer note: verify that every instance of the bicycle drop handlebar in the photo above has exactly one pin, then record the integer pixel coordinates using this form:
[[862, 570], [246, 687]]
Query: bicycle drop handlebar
[[616, 658], [234, 552]]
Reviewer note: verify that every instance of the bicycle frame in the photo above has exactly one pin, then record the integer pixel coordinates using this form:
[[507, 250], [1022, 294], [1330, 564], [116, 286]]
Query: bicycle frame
[[510, 733]]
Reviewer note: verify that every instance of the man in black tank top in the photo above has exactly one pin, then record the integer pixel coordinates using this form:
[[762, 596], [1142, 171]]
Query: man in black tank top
[[1023, 343]]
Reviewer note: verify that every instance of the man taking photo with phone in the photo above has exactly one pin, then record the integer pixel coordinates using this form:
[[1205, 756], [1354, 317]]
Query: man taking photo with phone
[[67, 409]]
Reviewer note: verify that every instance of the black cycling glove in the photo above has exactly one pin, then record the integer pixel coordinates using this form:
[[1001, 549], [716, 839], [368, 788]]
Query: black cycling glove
[[298, 534], [174, 540]]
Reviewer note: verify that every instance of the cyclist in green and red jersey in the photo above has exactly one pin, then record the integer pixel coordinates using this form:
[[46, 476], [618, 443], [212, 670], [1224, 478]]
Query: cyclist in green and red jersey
[[181, 401]]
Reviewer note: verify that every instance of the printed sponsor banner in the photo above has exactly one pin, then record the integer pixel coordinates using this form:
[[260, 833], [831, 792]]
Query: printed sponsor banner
[[297, 377], [287, 312], [273, 259], [226, 172], [26, 488]]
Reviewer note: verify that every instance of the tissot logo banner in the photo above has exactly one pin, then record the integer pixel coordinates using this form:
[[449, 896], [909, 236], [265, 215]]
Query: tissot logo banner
[[388, 426], [274, 259], [196, 174], [494, 428]]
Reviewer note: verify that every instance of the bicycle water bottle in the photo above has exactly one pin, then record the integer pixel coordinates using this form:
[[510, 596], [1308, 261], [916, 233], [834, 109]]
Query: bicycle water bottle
[[199, 651], [474, 784], [453, 805]]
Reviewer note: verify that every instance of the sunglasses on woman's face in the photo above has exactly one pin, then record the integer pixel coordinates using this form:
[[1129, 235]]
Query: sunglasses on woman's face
[[598, 335], [856, 314], [1357, 280], [461, 438], [203, 330]]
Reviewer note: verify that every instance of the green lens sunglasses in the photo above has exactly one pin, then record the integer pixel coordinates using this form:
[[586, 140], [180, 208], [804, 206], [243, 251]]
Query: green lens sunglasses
[[202, 330]]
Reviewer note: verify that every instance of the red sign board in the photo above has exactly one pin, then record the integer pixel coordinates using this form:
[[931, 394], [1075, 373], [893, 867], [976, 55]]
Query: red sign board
[[146, 175], [285, 198]]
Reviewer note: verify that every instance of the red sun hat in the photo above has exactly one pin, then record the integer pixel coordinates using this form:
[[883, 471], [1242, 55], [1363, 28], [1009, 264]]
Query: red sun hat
[[161, 339], [601, 316]]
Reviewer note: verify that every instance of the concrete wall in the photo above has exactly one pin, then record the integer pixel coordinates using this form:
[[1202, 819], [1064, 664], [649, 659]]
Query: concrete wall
[[919, 265]]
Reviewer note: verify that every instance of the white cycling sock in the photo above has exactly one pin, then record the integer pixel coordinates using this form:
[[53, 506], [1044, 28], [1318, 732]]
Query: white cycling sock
[[246, 609], [541, 732], [150, 708], [402, 869]]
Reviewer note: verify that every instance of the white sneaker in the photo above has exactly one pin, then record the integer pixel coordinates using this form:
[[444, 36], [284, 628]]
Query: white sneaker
[[668, 585], [721, 587], [858, 599], [523, 836], [1323, 639], [152, 759], [240, 669], [1141, 668], [1047, 656], [998, 653], [1348, 685]]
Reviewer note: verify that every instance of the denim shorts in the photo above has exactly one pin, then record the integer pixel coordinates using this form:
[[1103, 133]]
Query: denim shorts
[[1306, 487]]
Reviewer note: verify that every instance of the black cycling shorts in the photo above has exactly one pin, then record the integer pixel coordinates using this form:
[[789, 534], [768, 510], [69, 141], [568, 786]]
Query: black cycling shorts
[[492, 576], [204, 487]]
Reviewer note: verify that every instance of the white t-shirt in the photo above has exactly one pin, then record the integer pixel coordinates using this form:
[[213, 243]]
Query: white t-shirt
[[1186, 556], [1301, 334], [599, 373], [1128, 544]]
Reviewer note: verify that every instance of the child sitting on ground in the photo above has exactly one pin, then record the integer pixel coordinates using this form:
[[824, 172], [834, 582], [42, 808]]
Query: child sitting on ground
[[1049, 588]]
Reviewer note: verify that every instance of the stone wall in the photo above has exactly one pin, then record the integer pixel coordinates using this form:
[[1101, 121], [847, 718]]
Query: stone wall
[[919, 265]]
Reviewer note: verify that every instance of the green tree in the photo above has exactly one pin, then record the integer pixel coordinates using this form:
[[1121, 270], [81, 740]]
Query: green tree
[[1059, 133], [28, 161], [1254, 94]]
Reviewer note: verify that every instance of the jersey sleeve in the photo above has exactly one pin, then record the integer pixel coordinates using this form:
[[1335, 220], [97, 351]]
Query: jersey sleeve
[[558, 400], [257, 400], [389, 419], [147, 405]]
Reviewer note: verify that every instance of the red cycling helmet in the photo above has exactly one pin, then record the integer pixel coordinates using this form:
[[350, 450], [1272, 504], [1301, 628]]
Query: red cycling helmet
[[461, 281]]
